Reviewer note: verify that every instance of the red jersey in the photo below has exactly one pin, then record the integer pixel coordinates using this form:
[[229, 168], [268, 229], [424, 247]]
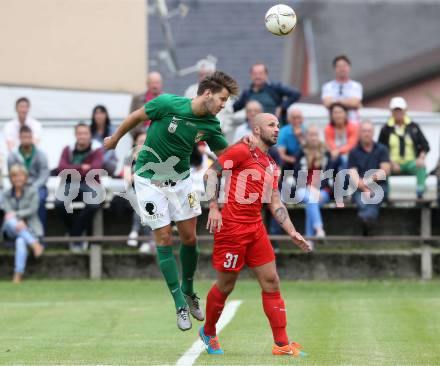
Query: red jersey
[[253, 176]]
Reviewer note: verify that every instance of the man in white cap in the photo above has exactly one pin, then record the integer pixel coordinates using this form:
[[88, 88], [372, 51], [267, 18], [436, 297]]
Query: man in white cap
[[407, 144]]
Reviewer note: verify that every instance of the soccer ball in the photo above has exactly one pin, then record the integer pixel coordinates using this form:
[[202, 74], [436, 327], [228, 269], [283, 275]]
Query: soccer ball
[[280, 20]]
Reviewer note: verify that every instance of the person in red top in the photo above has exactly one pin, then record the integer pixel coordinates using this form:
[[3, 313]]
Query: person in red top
[[341, 135], [240, 236]]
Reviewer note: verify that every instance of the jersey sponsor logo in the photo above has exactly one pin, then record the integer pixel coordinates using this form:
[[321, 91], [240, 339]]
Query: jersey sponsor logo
[[151, 209], [172, 127], [199, 137]]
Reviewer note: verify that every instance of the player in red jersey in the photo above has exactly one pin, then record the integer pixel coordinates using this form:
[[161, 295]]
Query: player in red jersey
[[240, 236]]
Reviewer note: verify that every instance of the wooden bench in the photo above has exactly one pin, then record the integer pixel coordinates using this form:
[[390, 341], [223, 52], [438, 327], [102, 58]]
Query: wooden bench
[[425, 239]]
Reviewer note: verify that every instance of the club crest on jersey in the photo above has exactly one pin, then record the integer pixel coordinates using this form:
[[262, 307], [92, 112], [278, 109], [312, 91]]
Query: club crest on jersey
[[193, 200], [198, 137], [172, 127]]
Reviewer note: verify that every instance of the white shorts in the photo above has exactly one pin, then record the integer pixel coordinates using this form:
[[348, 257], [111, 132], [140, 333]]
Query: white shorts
[[161, 205]]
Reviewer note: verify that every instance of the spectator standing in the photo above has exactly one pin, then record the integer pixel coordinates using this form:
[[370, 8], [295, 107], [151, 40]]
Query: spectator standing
[[252, 109], [368, 155], [102, 127], [342, 89], [341, 135], [21, 223], [154, 89], [291, 138], [35, 162], [154, 85], [136, 225], [275, 97], [407, 144], [12, 128], [314, 160], [83, 156], [206, 68]]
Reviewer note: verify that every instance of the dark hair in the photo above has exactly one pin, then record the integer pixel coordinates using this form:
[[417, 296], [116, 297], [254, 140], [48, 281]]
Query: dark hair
[[259, 63], [22, 99], [94, 127], [216, 82], [341, 57], [137, 134], [81, 124], [25, 129], [333, 106], [196, 158]]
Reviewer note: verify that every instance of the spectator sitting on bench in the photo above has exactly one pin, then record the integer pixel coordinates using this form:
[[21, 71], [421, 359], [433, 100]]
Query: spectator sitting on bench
[[83, 156], [406, 143], [101, 128], [21, 222], [363, 158], [341, 135], [291, 138], [252, 109], [35, 162], [313, 161]]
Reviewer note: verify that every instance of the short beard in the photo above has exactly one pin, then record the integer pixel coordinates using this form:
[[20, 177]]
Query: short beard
[[267, 141], [207, 106]]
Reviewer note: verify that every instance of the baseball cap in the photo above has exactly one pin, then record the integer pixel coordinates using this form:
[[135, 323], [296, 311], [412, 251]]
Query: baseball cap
[[398, 103]]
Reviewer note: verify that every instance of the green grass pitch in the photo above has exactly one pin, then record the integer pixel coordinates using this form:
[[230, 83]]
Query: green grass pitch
[[133, 323]]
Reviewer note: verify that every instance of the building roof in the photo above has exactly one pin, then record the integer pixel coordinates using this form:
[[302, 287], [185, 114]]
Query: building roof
[[402, 74], [374, 34]]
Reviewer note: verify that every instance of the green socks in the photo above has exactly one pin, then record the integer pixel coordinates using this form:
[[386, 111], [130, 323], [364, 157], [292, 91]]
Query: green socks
[[168, 267], [189, 255]]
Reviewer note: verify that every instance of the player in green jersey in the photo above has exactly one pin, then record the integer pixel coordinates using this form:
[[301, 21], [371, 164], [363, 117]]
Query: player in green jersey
[[162, 179]]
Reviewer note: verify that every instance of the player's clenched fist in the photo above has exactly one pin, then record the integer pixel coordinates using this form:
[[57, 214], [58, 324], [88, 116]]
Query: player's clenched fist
[[214, 220], [299, 240]]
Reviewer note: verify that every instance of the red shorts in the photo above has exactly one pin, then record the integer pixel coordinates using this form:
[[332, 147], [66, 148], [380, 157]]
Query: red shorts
[[239, 244]]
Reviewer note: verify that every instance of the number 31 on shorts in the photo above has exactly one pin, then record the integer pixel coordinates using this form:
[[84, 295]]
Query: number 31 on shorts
[[231, 260]]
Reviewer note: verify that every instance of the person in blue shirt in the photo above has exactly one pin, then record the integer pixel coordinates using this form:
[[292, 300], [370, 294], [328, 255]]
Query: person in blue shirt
[[291, 138], [275, 97], [369, 165]]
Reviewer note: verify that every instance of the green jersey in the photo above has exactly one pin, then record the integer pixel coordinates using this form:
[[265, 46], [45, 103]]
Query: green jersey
[[171, 137]]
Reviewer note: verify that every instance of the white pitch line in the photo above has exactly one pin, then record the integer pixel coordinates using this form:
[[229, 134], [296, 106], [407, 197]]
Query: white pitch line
[[198, 346]]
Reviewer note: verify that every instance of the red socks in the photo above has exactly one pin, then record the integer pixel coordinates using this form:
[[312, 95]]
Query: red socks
[[215, 303], [273, 305], [275, 310]]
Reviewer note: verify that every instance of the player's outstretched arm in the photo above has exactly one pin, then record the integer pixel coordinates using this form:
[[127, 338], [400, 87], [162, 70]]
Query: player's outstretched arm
[[212, 179], [127, 124], [279, 212]]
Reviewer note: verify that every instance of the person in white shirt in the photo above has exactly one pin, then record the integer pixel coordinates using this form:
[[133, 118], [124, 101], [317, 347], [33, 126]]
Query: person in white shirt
[[343, 90], [252, 109], [11, 129], [205, 68]]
